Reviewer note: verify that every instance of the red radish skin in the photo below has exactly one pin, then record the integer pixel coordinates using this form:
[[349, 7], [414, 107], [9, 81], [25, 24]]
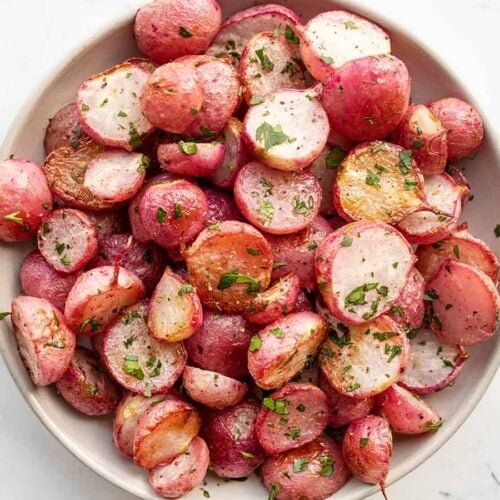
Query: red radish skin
[[25, 199], [143, 62], [107, 223], [64, 129], [86, 387], [46, 344], [472, 317], [221, 207], [39, 279], [67, 239], [458, 176]]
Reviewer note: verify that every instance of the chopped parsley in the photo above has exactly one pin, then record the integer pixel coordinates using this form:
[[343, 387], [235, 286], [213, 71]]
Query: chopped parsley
[[290, 35], [266, 212], [279, 406], [184, 33], [177, 211], [270, 136], [300, 464], [363, 442], [346, 242], [186, 288], [334, 157], [188, 148], [265, 62], [405, 162], [256, 100], [130, 316], [131, 367], [233, 276], [327, 465], [160, 215], [301, 207], [255, 343]]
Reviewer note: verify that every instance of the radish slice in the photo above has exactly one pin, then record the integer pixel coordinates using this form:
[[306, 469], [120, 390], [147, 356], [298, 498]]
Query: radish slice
[[433, 364], [426, 227], [115, 175], [288, 130], [136, 360], [67, 240], [363, 360], [333, 38], [274, 201], [362, 268], [465, 304], [110, 108]]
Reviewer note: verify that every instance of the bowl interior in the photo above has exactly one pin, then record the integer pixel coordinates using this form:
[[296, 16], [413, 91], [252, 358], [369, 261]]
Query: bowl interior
[[90, 439]]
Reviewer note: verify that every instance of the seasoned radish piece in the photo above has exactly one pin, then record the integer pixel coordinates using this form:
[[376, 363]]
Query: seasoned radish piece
[[366, 98], [408, 309], [343, 409], [173, 213], [212, 389], [444, 196], [64, 129], [183, 473], [86, 387], [106, 223], [230, 434], [464, 127], [115, 175], [291, 417], [324, 168], [166, 29], [315, 470], [225, 274], [433, 364], [110, 109], [190, 158], [367, 449], [164, 431], [296, 252], [269, 63], [461, 246], [274, 201], [421, 132], [220, 344], [175, 311], [143, 62], [361, 269], [278, 300], [336, 37], [378, 181], [458, 176], [67, 239], [406, 413], [221, 207], [235, 156], [40, 279], [45, 342], [288, 130], [237, 30], [25, 198], [65, 169], [465, 304], [363, 360], [135, 359], [281, 350], [98, 296]]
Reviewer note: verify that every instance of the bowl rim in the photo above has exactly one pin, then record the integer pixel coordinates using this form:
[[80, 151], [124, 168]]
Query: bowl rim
[[105, 30]]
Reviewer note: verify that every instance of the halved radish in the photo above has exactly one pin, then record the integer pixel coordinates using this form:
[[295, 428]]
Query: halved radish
[[110, 109], [378, 181], [163, 432], [291, 417], [333, 38], [99, 295], [115, 175], [465, 304], [280, 351], [361, 269], [363, 360], [135, 359], [67, 240], [212, 389], [459, 177], [46, 344], [274, 201], [278, 300], [224, 273], [86, 387], [433, 364], [461, 246], [236, 154], [288, 130], [186, 471], [407, 413], [237, 30], [425, 227], [269, 63], [221, 207], [190, 158], [175, 311]]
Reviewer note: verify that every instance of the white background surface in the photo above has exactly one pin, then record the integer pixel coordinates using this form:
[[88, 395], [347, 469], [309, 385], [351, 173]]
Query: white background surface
[[34, 35]]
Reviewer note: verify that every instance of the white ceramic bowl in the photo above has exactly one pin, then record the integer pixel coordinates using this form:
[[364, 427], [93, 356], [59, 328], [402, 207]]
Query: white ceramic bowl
[[90, 439]]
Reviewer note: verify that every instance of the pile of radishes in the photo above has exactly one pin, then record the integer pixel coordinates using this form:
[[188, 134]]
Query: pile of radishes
[[230, 222]]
